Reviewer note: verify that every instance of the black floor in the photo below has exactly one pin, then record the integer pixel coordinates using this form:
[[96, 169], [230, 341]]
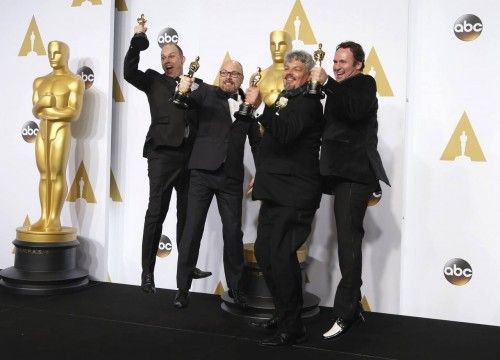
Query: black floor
[[113, 321]]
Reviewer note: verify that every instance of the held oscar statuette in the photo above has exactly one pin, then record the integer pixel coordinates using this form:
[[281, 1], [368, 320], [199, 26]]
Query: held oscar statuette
[[314, 88], [245, 108], [180, 98], [140, 40]]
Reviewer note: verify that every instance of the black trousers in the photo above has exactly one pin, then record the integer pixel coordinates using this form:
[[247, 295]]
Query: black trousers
[[203, 185], [167, 169], [280, 233], [350, 203]]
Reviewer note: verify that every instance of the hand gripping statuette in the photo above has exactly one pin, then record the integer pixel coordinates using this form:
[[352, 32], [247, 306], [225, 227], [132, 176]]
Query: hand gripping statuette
[[314, 88], [140, 40], [180, 98], [245, 108]]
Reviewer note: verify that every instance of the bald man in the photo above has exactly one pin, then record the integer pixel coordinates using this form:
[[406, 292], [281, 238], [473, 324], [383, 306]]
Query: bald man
[[216, 166]]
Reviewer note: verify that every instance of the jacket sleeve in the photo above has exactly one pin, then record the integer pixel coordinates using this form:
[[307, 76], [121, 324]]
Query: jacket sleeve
[[354, 99], [131, 71], [254, 138], [288, 124]]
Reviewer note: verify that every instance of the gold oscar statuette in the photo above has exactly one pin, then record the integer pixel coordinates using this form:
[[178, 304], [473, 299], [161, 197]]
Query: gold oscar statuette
[[180, 98], [57, 101], [245, 108], [314, 89], [140, 40]]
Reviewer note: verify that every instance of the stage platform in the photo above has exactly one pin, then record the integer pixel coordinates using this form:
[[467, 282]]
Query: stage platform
[[114, 321]]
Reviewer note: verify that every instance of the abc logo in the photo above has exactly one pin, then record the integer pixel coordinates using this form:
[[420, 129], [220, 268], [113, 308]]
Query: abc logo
[[165, 247], [468, 27], [457, 271], [29, 131], [167, 35], [87, 76]]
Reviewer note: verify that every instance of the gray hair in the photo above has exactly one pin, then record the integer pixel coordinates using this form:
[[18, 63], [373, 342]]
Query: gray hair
[[302, 56]]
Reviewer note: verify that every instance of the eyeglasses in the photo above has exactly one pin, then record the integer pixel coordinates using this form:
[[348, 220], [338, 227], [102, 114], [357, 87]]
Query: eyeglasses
[[233, 74]]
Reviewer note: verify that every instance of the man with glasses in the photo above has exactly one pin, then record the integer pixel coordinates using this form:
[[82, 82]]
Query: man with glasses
[[216, 165]]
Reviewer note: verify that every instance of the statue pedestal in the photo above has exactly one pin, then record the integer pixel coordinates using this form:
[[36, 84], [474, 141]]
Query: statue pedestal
[[45, 263], [259, 299]]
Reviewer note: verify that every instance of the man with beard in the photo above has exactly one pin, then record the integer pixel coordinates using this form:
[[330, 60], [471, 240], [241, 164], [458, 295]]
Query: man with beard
[[352, 168], [288, 183], [167, 148], [216, 166]]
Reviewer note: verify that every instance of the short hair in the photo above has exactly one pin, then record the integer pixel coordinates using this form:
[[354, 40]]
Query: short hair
[[356, 49], [176, 46], [302, 56]]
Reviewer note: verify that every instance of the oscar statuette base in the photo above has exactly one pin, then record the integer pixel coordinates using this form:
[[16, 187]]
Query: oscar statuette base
[[44, 268], [260, 303]]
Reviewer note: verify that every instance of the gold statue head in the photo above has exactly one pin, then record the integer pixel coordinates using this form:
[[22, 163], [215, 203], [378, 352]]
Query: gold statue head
[[279, 43], [58, 53]]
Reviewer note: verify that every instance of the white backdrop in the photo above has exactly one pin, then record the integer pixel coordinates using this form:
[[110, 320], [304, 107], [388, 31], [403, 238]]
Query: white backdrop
[[451, 199]]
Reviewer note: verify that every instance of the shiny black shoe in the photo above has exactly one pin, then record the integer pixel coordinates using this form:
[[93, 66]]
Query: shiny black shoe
[[285, 339], [181, 299], [238, 297], [200, 274], [340, 326], [268, 324], [148, 283]]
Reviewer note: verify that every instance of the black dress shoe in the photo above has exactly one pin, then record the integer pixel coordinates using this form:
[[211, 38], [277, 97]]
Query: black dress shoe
[[238, 297], [340, 326], [268, 324], [200, 274], [284, 339], [148, 283], [181, 299]]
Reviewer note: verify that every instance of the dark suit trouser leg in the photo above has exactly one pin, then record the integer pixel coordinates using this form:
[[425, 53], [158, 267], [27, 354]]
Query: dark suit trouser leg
[[181, 186], [162, 176], [351, 200], [229, 197], [200, 196], [276, 252]]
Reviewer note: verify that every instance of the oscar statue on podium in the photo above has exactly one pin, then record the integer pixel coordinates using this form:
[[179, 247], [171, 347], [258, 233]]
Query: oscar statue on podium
[[45, 260]]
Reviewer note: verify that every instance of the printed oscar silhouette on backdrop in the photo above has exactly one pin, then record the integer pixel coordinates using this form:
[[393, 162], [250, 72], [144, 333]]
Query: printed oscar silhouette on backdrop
[[45, 256]]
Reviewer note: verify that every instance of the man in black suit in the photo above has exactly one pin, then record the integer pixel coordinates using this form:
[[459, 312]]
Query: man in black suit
[[352, 168], [216, 166], [288, 183], [167, 148]]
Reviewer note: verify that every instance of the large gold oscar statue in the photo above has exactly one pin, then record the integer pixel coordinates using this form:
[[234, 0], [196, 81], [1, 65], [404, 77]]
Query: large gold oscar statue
[[45, 260], [57, 101], [271, 83]]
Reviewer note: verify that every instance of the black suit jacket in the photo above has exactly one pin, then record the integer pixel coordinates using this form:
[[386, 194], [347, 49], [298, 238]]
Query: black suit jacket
[[288, 171], [220, 140], [349, 148], [168, 122]]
